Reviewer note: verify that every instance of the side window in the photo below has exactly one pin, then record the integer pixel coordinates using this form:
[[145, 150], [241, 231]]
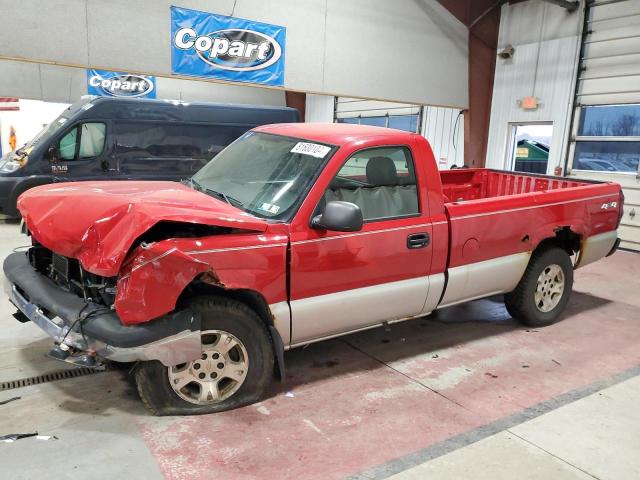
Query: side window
[[67, 145], [91, 139], [381, 181]]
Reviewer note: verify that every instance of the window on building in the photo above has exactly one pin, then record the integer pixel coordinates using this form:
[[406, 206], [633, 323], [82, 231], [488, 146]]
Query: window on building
[[408, 123], [608, 139], [381, 181]]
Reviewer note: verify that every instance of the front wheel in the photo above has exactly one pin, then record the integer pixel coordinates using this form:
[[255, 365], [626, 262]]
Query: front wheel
[[235, 368], [543, 292]]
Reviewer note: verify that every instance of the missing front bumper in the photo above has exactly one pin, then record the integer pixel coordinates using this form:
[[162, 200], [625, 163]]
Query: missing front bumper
[[88, 327]]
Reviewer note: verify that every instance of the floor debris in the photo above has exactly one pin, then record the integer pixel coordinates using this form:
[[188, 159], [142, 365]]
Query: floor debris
[[289, 394], [12, 437], [492, 375], [556, 362], [13, 399], [46, 437]]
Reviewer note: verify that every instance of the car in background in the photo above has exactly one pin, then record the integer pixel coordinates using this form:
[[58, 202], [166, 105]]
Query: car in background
[[107, 138]]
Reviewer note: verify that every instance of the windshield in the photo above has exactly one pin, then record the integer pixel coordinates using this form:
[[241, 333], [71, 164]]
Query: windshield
[[264, 174], [50, 129]]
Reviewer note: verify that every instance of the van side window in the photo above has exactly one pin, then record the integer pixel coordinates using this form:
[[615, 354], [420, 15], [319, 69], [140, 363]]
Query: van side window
[[67, 145], [193, 141], [91, 140], [381, 181]]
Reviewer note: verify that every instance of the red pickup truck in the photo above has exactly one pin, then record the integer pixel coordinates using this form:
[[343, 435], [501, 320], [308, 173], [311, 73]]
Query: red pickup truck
[[293, 234]]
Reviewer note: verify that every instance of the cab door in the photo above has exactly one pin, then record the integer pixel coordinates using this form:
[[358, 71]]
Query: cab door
[[81, 153], [341, 281]]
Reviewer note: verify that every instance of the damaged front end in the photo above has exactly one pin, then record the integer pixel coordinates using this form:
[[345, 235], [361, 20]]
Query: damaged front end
[[86, 329], [106, 282]]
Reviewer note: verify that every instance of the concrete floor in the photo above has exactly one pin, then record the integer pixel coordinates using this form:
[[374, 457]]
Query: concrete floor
[[465, 393]]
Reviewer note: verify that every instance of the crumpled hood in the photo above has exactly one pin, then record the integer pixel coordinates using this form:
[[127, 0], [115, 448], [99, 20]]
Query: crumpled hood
[[97, 222]]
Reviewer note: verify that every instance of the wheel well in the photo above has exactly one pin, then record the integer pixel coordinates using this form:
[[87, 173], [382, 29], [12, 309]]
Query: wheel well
[[565, 238], [251, 298]]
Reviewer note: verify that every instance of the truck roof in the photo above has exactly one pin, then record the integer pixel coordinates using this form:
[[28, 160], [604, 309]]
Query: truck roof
[[334, 133]]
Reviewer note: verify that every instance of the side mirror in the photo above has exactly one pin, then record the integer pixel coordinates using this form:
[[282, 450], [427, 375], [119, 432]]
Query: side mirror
[[339, 217], [53, 154]]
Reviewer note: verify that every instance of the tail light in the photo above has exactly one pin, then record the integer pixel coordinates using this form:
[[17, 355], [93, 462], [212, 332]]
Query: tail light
[[621, 208]]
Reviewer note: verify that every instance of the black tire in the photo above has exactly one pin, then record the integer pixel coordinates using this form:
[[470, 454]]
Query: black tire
[[218, 313], [521, 303]]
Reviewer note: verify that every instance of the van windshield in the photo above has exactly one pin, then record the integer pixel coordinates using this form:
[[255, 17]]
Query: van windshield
[[47, 131], [264, 174], [57, 124]]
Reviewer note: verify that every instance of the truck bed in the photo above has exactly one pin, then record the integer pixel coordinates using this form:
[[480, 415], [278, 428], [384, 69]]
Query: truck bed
[[478, 183], [494, 213]]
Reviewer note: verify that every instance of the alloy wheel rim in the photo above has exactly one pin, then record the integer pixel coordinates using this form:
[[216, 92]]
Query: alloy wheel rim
[[549, 288], [216, 375]]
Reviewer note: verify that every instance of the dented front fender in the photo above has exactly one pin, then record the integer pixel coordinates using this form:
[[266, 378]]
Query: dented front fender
[[151, 284]]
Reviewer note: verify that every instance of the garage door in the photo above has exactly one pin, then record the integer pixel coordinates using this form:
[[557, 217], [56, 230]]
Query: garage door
[[442, 126], [606, 124]]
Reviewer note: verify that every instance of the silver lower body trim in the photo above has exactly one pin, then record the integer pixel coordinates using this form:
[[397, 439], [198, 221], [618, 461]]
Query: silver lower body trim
[[329, 315], [596, 247], [483, 279]]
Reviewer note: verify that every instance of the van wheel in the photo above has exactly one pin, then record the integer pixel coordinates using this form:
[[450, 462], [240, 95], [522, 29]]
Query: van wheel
[[234, 370], [544, 290]]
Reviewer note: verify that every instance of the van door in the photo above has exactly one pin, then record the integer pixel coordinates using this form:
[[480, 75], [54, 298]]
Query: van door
[[81, 153], [154, 150]]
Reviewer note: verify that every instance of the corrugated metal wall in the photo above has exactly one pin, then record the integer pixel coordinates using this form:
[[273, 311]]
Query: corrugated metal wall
[[610, 75], [444, 128], [546, 41]]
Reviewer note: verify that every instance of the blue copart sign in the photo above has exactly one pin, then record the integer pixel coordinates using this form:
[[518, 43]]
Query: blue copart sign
[[229, 48], [120, 84]]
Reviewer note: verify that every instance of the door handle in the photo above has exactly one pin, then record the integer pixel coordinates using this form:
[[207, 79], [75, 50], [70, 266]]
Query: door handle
[[418, 240]]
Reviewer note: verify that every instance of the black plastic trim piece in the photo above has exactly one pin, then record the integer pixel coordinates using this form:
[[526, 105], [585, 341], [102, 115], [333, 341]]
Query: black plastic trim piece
[[100, 323], [278, 346]]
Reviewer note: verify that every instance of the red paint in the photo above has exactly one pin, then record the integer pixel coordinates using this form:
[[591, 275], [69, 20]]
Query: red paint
[[98, 222]]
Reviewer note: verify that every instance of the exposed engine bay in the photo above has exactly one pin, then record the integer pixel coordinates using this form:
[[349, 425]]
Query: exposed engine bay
[[69, 274]]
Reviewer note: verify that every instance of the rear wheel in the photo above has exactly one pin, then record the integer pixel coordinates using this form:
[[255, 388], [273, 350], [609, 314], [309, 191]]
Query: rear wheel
[[235, 367], [543, 292]]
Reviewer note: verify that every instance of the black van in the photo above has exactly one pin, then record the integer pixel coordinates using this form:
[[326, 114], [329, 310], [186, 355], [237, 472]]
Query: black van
[[108, 138]]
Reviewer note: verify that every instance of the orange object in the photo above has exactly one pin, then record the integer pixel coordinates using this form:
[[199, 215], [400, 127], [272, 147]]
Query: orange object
[[529, 103], [13, 140]]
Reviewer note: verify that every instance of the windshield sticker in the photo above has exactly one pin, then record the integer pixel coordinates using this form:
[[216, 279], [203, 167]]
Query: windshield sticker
[[313, 149], [269, 207]]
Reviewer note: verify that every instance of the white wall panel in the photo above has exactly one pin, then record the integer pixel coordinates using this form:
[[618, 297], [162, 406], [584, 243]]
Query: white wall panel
[[319, 108], [545, 69], [366, 48]]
